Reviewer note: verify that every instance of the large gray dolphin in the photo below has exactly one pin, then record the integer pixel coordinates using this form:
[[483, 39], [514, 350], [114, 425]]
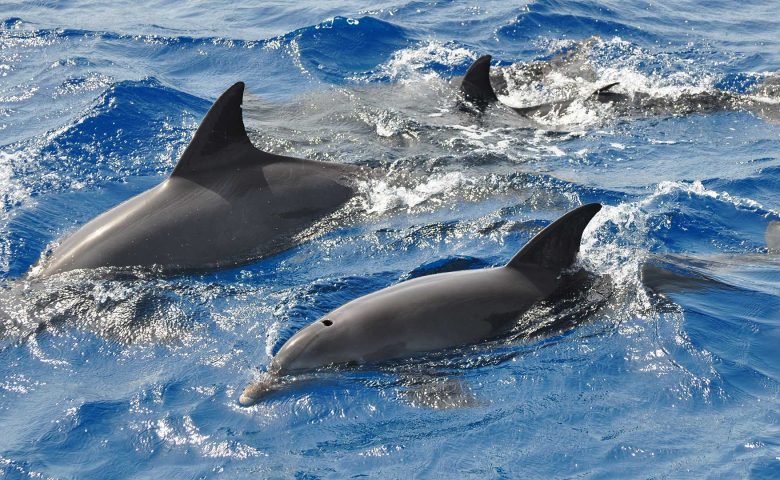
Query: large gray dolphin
[[434, 312], [226, 203]]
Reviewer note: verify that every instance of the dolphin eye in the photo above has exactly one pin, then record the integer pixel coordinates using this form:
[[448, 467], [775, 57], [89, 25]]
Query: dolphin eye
[[327, 323]]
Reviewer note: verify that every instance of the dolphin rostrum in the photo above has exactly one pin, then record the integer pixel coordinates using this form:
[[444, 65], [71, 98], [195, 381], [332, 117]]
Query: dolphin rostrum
[[226, 203], [433, 312]]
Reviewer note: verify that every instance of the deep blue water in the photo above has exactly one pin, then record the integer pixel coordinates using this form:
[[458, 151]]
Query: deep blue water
[[139, 378]]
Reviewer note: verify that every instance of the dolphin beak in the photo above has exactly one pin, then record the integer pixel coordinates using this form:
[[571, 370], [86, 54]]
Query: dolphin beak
[[245, 400], [255, 392]]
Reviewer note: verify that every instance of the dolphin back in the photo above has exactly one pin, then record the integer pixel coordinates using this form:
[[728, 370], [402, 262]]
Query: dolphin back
[[555, 248]]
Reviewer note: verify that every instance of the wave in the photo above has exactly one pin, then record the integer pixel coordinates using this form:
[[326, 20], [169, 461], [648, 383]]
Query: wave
[[421, 61], [134, 130], [18, 28], [341, 47], [109, 141], [546, 19]]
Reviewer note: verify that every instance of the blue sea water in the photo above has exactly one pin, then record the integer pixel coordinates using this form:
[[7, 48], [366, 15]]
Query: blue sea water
[[673, 375]]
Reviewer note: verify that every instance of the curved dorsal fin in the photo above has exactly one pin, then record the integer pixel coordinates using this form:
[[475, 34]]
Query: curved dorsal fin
[[222, 127], [605, 89], [475, 86], [556, 247]]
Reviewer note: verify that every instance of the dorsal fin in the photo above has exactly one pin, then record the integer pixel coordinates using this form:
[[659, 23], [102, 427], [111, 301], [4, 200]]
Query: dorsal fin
[[475, 86], [604, 89], [222, 127], [556, 247]]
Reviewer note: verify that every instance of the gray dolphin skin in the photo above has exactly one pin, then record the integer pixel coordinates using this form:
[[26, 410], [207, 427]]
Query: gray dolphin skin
[[431, 313], [226, 203]]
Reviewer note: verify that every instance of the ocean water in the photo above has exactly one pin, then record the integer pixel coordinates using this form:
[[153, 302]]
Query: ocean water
[[671, 371]]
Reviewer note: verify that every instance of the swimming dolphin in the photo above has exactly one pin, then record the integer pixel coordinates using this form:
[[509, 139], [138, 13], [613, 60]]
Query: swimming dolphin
[[434, 312], [226, 203], [664, 274], [477, 88]]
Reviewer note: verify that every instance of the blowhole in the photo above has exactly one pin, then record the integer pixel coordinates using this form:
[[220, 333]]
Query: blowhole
[[327, 323]]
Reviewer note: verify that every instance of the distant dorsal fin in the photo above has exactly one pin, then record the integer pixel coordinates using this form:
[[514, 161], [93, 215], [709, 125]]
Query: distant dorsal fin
[[222, 127], [556, 247], [475, 86], [604, 89]]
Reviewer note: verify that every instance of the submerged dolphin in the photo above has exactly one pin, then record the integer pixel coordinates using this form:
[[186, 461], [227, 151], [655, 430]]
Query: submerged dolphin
[[226, 203], [477, 88], [676, 273], [772, 236], [433, 312]]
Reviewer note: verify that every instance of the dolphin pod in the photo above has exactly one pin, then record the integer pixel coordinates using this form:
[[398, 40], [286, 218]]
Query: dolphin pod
[[479, 89], [431, 313], [226, 203]]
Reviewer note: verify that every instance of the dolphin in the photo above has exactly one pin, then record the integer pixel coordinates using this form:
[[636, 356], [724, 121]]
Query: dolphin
[[433, 312], [477, 88], [226, 203], [664, 274]]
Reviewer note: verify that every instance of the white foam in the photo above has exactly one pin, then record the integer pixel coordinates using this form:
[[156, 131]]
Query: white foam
[[601, 62], [271, 337], [411, 63], [380, 196], [697, 188], [191, 437]]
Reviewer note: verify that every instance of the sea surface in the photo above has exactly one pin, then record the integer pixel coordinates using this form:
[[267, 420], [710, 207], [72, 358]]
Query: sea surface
[[669, 367]]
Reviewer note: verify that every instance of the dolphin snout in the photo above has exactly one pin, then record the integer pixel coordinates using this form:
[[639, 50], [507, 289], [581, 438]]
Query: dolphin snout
[[255, 392]]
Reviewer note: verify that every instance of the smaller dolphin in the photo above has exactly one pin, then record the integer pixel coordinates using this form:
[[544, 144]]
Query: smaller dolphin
[[477, 89], [670, 273], [434, 312]]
